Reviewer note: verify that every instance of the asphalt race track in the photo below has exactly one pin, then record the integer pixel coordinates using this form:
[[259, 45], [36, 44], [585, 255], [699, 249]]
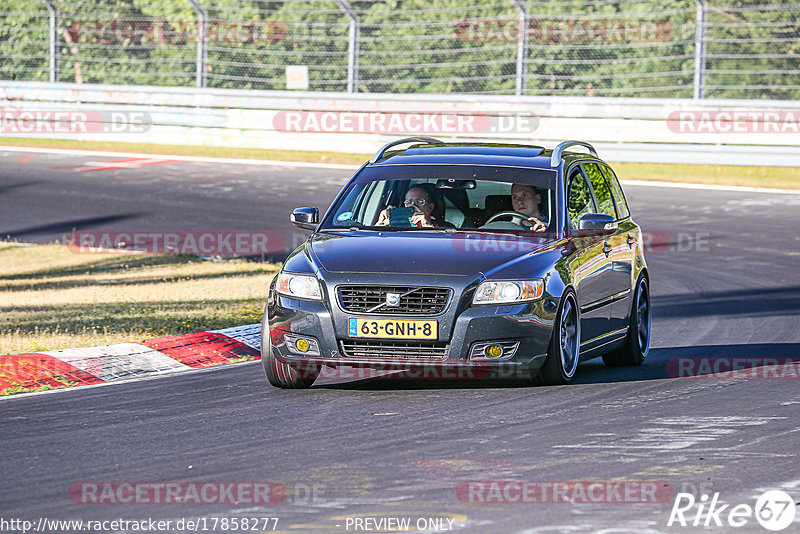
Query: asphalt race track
[[724, 271]]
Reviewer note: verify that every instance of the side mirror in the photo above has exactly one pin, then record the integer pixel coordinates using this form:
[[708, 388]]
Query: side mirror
[[598, 223], [305, 218]]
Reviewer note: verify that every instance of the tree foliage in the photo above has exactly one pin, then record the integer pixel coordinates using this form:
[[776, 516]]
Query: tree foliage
[[616, 48]]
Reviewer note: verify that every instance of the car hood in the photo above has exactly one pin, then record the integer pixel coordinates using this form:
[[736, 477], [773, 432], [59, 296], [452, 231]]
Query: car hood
[[459, 254]]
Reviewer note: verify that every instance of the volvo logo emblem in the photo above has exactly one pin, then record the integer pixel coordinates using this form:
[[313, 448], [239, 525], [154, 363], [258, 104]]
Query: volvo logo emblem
[[393, 300]]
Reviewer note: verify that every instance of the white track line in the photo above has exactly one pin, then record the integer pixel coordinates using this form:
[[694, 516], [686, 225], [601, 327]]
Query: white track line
[[294, 164], [263, 162]]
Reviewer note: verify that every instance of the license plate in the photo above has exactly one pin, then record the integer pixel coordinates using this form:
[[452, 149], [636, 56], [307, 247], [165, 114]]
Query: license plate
[[393, 328]]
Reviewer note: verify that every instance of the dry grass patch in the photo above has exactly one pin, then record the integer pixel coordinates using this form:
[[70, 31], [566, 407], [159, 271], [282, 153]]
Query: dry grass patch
[[738, 175], [192, 150], [749, 176], [52, 298]]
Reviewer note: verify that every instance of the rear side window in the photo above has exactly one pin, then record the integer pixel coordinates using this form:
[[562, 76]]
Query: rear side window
[[579, 199], [616, 190], [602, 193]]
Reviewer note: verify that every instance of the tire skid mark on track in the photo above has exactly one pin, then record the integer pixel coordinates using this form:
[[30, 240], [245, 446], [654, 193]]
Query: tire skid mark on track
[[673, 433]]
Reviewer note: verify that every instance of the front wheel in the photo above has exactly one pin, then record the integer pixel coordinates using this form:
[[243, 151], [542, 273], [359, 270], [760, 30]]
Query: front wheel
[[637, 343], [564, 351], [282, 375]]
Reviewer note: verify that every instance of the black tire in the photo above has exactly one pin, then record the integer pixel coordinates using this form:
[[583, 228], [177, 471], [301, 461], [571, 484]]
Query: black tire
[[637, 342], [564, 352], [282, 375]]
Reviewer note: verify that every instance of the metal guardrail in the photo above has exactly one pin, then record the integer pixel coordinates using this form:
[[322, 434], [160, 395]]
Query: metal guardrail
[[621, 129]]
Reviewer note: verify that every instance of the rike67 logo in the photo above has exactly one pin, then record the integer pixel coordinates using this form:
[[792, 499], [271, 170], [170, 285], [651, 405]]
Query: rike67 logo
[[774, 510]]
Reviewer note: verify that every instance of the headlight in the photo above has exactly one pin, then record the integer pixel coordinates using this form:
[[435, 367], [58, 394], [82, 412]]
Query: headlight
[[508, 292], [300, 286]]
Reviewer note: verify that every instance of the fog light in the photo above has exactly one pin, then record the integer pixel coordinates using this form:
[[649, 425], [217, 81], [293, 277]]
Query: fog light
[[301, 345], [494, 351]]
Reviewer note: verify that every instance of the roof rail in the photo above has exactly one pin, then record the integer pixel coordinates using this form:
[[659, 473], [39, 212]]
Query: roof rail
[[555, 159], [379, 154]]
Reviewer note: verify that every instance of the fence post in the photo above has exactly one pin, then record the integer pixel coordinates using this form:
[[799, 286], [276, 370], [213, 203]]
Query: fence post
[[202, 32], [53, 11], [352, 45], [522, 46], [700, 50]]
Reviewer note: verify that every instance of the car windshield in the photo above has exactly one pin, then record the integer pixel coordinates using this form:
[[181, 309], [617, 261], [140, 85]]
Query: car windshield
[[460, 197]]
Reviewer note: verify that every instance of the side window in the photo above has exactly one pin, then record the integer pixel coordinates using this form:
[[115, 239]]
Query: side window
[[579, 198], [602, 193], [616, 190]]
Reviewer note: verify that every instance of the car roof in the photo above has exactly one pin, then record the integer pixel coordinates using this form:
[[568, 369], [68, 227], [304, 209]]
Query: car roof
[[512, 155]]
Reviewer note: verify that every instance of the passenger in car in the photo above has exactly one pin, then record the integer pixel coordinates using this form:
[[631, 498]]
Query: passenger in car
[[427, 211], [525, 199]]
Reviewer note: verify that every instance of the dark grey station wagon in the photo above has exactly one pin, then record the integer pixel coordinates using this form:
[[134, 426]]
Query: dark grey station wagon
[[494, 259]]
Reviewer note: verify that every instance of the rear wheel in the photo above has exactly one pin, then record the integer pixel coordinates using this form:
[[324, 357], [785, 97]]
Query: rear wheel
[[282, 375], [564, 351], [637, 343]]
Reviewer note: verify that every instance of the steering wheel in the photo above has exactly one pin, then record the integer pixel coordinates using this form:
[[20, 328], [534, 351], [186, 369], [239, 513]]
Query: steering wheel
[[515, 216]]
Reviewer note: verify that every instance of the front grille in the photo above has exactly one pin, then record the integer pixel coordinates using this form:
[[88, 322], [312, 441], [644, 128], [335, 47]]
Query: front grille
[[394, 350], [420, 300]]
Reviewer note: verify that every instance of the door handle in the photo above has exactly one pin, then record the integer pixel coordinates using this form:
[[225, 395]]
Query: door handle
[[630, 241], [606, 249]]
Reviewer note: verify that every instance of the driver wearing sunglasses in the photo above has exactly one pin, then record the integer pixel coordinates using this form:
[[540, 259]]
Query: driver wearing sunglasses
[[419, 199]]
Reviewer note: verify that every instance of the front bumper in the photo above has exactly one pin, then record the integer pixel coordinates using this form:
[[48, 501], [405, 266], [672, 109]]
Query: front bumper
[[529, 324]]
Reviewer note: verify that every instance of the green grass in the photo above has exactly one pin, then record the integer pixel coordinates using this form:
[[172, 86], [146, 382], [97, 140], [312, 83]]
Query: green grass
[[52, 297], [20, 389]]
